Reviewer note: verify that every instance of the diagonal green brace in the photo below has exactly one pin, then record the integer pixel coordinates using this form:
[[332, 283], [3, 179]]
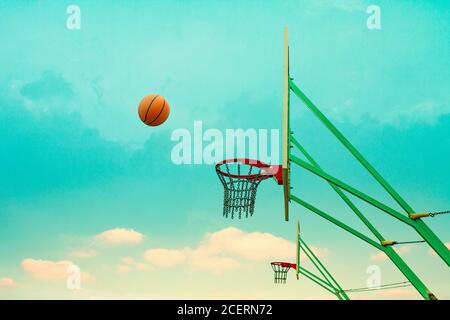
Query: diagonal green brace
[[324, 271], [350, 189], [389, 251], [311, 276], [337, 222], [350, 147], [426, 233], [401, 265], [341, 194]]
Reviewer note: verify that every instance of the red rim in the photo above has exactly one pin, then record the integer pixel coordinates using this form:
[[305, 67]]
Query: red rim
[[284, 264], [267, 170]]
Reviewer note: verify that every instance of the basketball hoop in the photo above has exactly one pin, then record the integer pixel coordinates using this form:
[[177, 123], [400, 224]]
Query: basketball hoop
[[281, 269], [240, 179]]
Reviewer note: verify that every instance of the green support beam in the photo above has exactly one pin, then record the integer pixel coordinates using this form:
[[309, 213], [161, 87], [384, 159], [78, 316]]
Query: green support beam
[[433, 241], [341, 194], [317, 265], [388, 250], [316, 280], [422, 229], [399, 263], [322, 174], [339, 186], [325, 273], [350, 147], [337, 222]]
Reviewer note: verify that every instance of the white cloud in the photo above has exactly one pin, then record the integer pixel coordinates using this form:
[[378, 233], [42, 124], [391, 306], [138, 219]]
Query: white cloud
[[255, 246], [397, 293], [7, 283], [427, 111], [203, 259], [129, 264], [83, 254], [321, 253], [228, 249], [46, 270], [142, 266], [381, 256], [402, 115], [112, 237], [127, 260], [50, 270], [348, 5], [404, 249], [166, 257], [120, 236], [433, 253], [124, 268]]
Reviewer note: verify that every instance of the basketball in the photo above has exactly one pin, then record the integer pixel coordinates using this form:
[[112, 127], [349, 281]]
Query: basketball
[[153, 110]]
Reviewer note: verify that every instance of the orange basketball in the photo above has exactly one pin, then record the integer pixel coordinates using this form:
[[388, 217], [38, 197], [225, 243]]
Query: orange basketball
[[153, 110]]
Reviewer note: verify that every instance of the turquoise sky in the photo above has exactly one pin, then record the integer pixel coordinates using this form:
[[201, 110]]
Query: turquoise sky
[[75, 161]]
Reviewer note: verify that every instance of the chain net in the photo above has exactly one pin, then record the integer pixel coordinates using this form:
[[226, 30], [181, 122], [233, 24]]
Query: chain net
[[280, 272], [240, 182]]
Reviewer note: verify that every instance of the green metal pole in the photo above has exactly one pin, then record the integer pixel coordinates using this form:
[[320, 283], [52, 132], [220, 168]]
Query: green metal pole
[[350, 189], [433, 240], [401, 265], [408, 273], [350, 147], [339, 192], [337, 222], [317, 280], [430, 237], [316, 263], [389, 251], [333, 281], [420, 226]]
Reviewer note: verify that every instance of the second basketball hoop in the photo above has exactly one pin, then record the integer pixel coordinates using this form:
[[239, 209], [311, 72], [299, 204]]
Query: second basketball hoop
[[240, 179]]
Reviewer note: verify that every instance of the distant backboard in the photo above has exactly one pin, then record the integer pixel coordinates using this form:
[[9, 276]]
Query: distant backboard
[[298, 249], [286, 130]]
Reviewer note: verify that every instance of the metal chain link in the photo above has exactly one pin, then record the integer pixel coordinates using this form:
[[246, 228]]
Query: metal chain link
[[240, 192], [437, 213]]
